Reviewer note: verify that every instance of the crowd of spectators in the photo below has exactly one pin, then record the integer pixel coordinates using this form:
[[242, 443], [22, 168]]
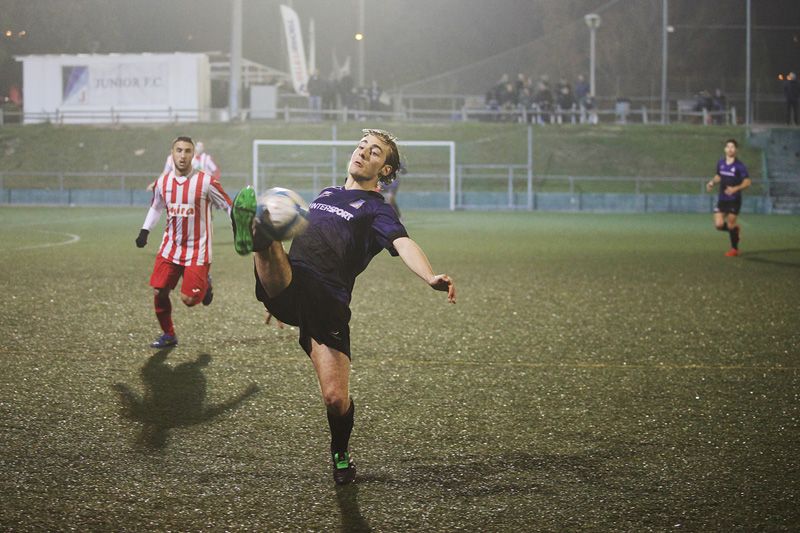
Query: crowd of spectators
[[715, 103], [338, 92], [540, 101]]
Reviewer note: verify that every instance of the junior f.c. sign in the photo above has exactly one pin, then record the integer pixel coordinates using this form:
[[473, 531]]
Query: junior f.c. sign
[[116, 84]]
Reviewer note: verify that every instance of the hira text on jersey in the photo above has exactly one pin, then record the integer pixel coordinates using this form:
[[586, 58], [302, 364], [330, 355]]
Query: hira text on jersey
[[180, 210]]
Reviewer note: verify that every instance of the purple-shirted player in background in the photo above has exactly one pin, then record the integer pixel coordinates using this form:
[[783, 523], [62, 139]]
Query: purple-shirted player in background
[[732, 176], [311, 286], [389, 191]]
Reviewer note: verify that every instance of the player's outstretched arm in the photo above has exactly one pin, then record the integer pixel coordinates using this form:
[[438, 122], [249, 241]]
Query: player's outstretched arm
[[416, 260]]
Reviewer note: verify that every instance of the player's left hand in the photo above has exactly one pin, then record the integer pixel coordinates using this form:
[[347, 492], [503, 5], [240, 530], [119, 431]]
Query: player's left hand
[[730, 190], [141, 240], [442, 282]]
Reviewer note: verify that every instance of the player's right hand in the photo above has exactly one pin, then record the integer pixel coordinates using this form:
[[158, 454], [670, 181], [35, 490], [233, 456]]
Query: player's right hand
[[141, 240], [442, 282]]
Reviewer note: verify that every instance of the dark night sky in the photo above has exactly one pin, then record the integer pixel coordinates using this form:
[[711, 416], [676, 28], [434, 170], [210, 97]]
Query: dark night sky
[[408, 40]]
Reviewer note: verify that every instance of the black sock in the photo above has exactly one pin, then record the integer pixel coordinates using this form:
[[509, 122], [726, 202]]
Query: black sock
[[341, 427], [734, 236]]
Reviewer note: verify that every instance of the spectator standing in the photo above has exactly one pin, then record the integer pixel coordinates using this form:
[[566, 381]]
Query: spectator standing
[[791, 90], [507, 99], [564, 100], [345, 87], [525, 102], [492, 103], [581, 94], [543, 100], [520, 84], [329, 96], [316, 88], [720, 105], [374, 96]]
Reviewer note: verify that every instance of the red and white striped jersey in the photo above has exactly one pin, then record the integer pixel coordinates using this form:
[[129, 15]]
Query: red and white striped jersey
[[188, 200]]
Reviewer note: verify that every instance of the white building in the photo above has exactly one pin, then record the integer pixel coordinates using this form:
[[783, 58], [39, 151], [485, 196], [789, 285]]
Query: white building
[[103, 88]]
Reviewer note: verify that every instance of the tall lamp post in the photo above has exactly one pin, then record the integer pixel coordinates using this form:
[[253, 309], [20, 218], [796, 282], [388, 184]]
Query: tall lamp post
[[235, 60], [748, 113], [664, 33], [593, 20], [360, 39]]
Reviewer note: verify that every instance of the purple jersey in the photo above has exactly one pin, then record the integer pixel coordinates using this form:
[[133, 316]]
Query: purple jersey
[[346, 229], [731, 176]]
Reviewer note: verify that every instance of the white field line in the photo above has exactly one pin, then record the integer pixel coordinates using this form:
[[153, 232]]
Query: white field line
[[72, 239]]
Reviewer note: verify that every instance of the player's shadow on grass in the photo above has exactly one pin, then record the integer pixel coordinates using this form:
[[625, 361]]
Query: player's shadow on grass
[[347, 499], [780, 257], [501, 474], [173, 397]]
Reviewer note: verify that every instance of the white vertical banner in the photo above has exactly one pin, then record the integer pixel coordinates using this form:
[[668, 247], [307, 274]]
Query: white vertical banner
[[312, 47], [294, 46]]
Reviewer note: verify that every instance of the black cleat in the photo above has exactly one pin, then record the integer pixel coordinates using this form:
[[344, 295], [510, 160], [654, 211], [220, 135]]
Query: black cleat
[[209, 297], [344, 469], [165, 341]]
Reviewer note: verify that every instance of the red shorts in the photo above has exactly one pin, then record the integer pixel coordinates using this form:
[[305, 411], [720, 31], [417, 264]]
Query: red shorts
[[166, 275]]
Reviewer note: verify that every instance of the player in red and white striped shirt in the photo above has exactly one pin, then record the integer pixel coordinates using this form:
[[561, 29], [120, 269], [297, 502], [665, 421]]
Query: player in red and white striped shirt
[[187, 195]]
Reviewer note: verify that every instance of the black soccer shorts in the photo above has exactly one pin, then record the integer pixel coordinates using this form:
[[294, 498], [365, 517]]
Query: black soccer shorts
[[728, 206], [309, 305]]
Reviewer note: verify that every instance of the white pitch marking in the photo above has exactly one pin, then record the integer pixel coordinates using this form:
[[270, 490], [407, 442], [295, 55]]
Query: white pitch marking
[[72, 240]]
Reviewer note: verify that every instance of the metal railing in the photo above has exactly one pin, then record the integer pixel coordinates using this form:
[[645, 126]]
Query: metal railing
[[508, 187], [293, 113]]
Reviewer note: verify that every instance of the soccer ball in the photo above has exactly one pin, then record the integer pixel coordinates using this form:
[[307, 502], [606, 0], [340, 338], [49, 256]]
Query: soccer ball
[[288, 212]]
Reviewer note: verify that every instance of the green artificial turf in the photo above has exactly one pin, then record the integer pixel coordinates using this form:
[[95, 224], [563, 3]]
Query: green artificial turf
[[600, 372]]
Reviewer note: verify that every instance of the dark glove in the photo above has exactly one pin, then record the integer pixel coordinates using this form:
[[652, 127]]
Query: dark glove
[[141, 240]]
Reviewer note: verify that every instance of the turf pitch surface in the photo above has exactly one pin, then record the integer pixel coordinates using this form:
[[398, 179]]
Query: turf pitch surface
[[598, 372]]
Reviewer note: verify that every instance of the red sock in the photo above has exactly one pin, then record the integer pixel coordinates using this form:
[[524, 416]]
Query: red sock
[[164, 314]]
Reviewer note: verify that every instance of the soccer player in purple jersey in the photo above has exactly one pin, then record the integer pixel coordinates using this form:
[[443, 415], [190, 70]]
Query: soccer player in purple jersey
[[311, 286], [733, 178]]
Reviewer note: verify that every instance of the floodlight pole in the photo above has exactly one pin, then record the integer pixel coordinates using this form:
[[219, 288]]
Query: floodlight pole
[[664, 102], [361, 17], [235, 61], [748, 112], [592, 20]]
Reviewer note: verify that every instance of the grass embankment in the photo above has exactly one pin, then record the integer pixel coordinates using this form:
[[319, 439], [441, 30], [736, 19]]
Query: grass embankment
[[605, 150]]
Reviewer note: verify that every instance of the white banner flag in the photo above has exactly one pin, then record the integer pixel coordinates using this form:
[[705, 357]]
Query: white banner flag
[[294, 46]]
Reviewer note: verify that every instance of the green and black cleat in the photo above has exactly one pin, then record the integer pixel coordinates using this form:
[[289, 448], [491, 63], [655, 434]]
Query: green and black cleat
[[344, 469], [242, 214]]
